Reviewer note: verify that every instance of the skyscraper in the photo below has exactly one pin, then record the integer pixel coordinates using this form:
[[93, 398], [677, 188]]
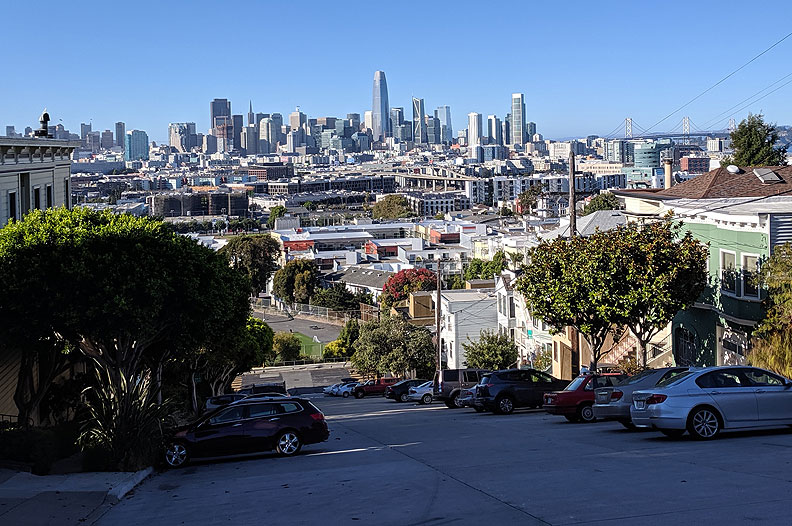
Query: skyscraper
[[182, 136], [120, 133], [353, 119], [517, 119], [443, 114], [396, 117], [136, 146], [296, 120], [219, 108], [85, 129], [106, 141], [494, 130], [474, 129], [419, 125], [530, 131], [379, 108], [368, 119], [251, 115]]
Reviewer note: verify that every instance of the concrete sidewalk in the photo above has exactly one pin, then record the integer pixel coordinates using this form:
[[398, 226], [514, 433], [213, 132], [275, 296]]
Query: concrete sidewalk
[[27, 499]]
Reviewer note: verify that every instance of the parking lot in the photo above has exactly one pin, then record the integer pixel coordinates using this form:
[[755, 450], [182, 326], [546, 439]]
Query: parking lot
[[391, 463]]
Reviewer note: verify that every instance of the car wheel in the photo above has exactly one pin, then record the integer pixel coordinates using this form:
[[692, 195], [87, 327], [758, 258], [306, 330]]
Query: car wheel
[[704, 423], [586, 413], [572, 418], [403, 397], [288, 444], [479, 409], [176, 454], [452, 404], [359, 394], [628, 424], [673, 433], [426, 399], [504, 405], [345, 394]]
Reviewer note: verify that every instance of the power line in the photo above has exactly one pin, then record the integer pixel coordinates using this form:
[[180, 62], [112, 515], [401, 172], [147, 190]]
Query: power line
[[719, 82], [717, 118]]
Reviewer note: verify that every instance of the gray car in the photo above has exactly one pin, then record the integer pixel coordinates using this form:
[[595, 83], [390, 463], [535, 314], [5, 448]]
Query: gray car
[[613, 403], [706, 401]]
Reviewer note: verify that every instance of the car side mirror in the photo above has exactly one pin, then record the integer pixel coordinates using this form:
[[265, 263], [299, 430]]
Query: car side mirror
[[788, 385]]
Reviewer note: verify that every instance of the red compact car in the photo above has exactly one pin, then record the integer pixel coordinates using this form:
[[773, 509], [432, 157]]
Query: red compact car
[[576, 401]]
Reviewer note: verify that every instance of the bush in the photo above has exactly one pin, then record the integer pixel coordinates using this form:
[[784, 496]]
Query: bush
[[287, 346], [38, 447]]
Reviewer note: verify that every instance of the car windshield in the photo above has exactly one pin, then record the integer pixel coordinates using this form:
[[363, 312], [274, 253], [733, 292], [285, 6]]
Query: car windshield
[[673, 379], [636, 378], [574, 384], [426, 384]]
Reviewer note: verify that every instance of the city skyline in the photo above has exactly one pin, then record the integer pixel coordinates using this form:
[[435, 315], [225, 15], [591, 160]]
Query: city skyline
[[600, 94]]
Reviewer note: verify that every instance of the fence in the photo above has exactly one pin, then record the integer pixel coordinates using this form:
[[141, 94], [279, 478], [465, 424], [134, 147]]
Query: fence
[[338, 317]]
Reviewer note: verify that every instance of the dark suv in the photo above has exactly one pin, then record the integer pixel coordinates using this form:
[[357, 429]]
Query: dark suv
[[449, 383], [503, 391], [249, 426]]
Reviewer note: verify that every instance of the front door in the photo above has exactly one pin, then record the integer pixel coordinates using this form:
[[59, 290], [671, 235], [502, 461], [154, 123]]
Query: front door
[[733, 395], [773, 396], [261, 426], [220, 435]]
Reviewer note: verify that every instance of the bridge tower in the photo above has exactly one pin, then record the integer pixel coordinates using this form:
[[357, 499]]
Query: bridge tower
[[628, 134], [732, 125], [686, 130]]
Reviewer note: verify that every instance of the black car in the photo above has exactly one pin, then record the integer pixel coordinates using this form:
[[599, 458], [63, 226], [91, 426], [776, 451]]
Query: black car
[[503, 391], [249, 426], [398, 391]]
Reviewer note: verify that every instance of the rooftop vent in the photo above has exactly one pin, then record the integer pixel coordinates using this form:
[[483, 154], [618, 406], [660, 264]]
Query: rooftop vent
[[766, 175], [732, 169]]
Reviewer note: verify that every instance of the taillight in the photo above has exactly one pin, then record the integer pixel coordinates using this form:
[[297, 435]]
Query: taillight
[[656, 399], [616, 394], [319, 417], [489, 385]]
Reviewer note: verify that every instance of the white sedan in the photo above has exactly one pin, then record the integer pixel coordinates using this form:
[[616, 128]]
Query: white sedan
[[346, 390], [421, 393]]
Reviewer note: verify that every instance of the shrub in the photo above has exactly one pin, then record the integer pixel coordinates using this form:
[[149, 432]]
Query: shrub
[[38, 447]]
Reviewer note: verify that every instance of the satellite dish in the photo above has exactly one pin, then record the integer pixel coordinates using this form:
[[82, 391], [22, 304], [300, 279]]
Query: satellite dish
[[732, 169]]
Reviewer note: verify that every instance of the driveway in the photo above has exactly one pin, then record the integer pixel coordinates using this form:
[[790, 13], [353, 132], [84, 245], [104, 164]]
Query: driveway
[[390, 463]]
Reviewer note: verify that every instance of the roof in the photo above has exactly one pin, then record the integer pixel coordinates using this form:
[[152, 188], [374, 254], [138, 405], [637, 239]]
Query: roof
[[602, 220], [719, 184], [361, 276]]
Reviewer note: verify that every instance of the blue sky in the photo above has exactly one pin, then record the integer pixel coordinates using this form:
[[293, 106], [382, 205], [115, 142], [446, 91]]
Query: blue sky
[[583, 66]]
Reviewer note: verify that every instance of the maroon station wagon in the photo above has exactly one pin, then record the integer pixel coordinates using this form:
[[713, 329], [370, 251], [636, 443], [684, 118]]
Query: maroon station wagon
[[249, 426]]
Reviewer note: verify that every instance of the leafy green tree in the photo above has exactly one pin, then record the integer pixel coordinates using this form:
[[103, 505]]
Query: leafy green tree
[[254, 255], [309, 205], [542, 360], [287, 346], [755, 143], [574, 283], [772, 339], [439, 215], [456, 282], [661, 271], [505, 211], [482, 269], [336, 349], [220, 225], [528, 199], [275, 213], [516, 258], [350, 332], [603, 201], [296, 281], [493, 350], [339, 298], [391, 206], [390, 344]]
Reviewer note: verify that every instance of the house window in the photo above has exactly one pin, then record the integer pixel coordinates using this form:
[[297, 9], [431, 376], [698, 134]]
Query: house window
[[49, 196], [750, 271], [685, 347], [37, 198], [729, 272], [12, 206]]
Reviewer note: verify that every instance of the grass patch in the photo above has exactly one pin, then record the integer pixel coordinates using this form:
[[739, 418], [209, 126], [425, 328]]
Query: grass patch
[[309, 347]]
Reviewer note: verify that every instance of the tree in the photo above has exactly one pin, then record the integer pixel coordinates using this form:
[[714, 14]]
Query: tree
[[516, 258], [754, 142], [456, 282], [255, 256], [493, 351], [287, 346], [391, 206], [350, 333], [399, 286], [542, 359], [574, 283], [603, 201], [481, 269], [338, 297], [309, 205], [528, 199], [505, 211], [661, 272], [276, 212], [335, 349], [439, 215], [772, 339], [296, 281], [390, 344]]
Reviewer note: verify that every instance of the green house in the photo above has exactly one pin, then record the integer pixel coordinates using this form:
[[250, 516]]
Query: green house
[[742, 214]]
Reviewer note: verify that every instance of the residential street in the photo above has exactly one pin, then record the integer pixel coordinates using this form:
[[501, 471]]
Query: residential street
[[399, 464]]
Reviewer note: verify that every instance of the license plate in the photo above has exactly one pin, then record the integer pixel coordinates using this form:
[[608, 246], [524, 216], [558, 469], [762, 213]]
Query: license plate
[[640, 404]]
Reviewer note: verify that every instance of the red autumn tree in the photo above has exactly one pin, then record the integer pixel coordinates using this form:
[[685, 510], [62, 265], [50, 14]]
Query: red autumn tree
[[399, 286]]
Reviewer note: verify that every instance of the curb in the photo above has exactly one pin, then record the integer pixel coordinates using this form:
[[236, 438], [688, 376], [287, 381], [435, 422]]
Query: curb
[[117, 493]]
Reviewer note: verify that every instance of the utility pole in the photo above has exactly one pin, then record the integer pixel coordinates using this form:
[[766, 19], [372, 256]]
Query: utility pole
[[573, 334], [437, 329]]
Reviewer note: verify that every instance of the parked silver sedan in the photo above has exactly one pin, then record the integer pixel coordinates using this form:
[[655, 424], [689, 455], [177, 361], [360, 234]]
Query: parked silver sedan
[[613, 403], [706, 401], [421, 393]]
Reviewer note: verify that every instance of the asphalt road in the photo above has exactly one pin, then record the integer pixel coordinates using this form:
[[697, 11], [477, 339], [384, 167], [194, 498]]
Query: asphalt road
[[396, 464], [325, 332]]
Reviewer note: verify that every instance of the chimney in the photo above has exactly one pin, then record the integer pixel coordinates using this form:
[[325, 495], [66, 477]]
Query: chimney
[[669, 181]]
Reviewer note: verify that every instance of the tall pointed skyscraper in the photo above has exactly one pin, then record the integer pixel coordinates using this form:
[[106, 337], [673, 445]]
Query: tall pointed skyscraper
[[380, 112], [251, 116]]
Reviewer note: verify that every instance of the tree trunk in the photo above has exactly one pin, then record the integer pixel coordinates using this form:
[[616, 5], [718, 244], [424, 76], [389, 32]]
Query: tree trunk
[[193, 392]]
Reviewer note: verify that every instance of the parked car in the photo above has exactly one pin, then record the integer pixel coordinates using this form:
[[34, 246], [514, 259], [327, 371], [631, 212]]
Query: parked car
[[249, 426], [503, 391], [466, 397], [448, 384], [374, 387], [421, 393], [213, 402], [576, 401], [271, 387], [613, 403], [398, 391], [329, 389], [705, 402], [347, 389], [261, 396]]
